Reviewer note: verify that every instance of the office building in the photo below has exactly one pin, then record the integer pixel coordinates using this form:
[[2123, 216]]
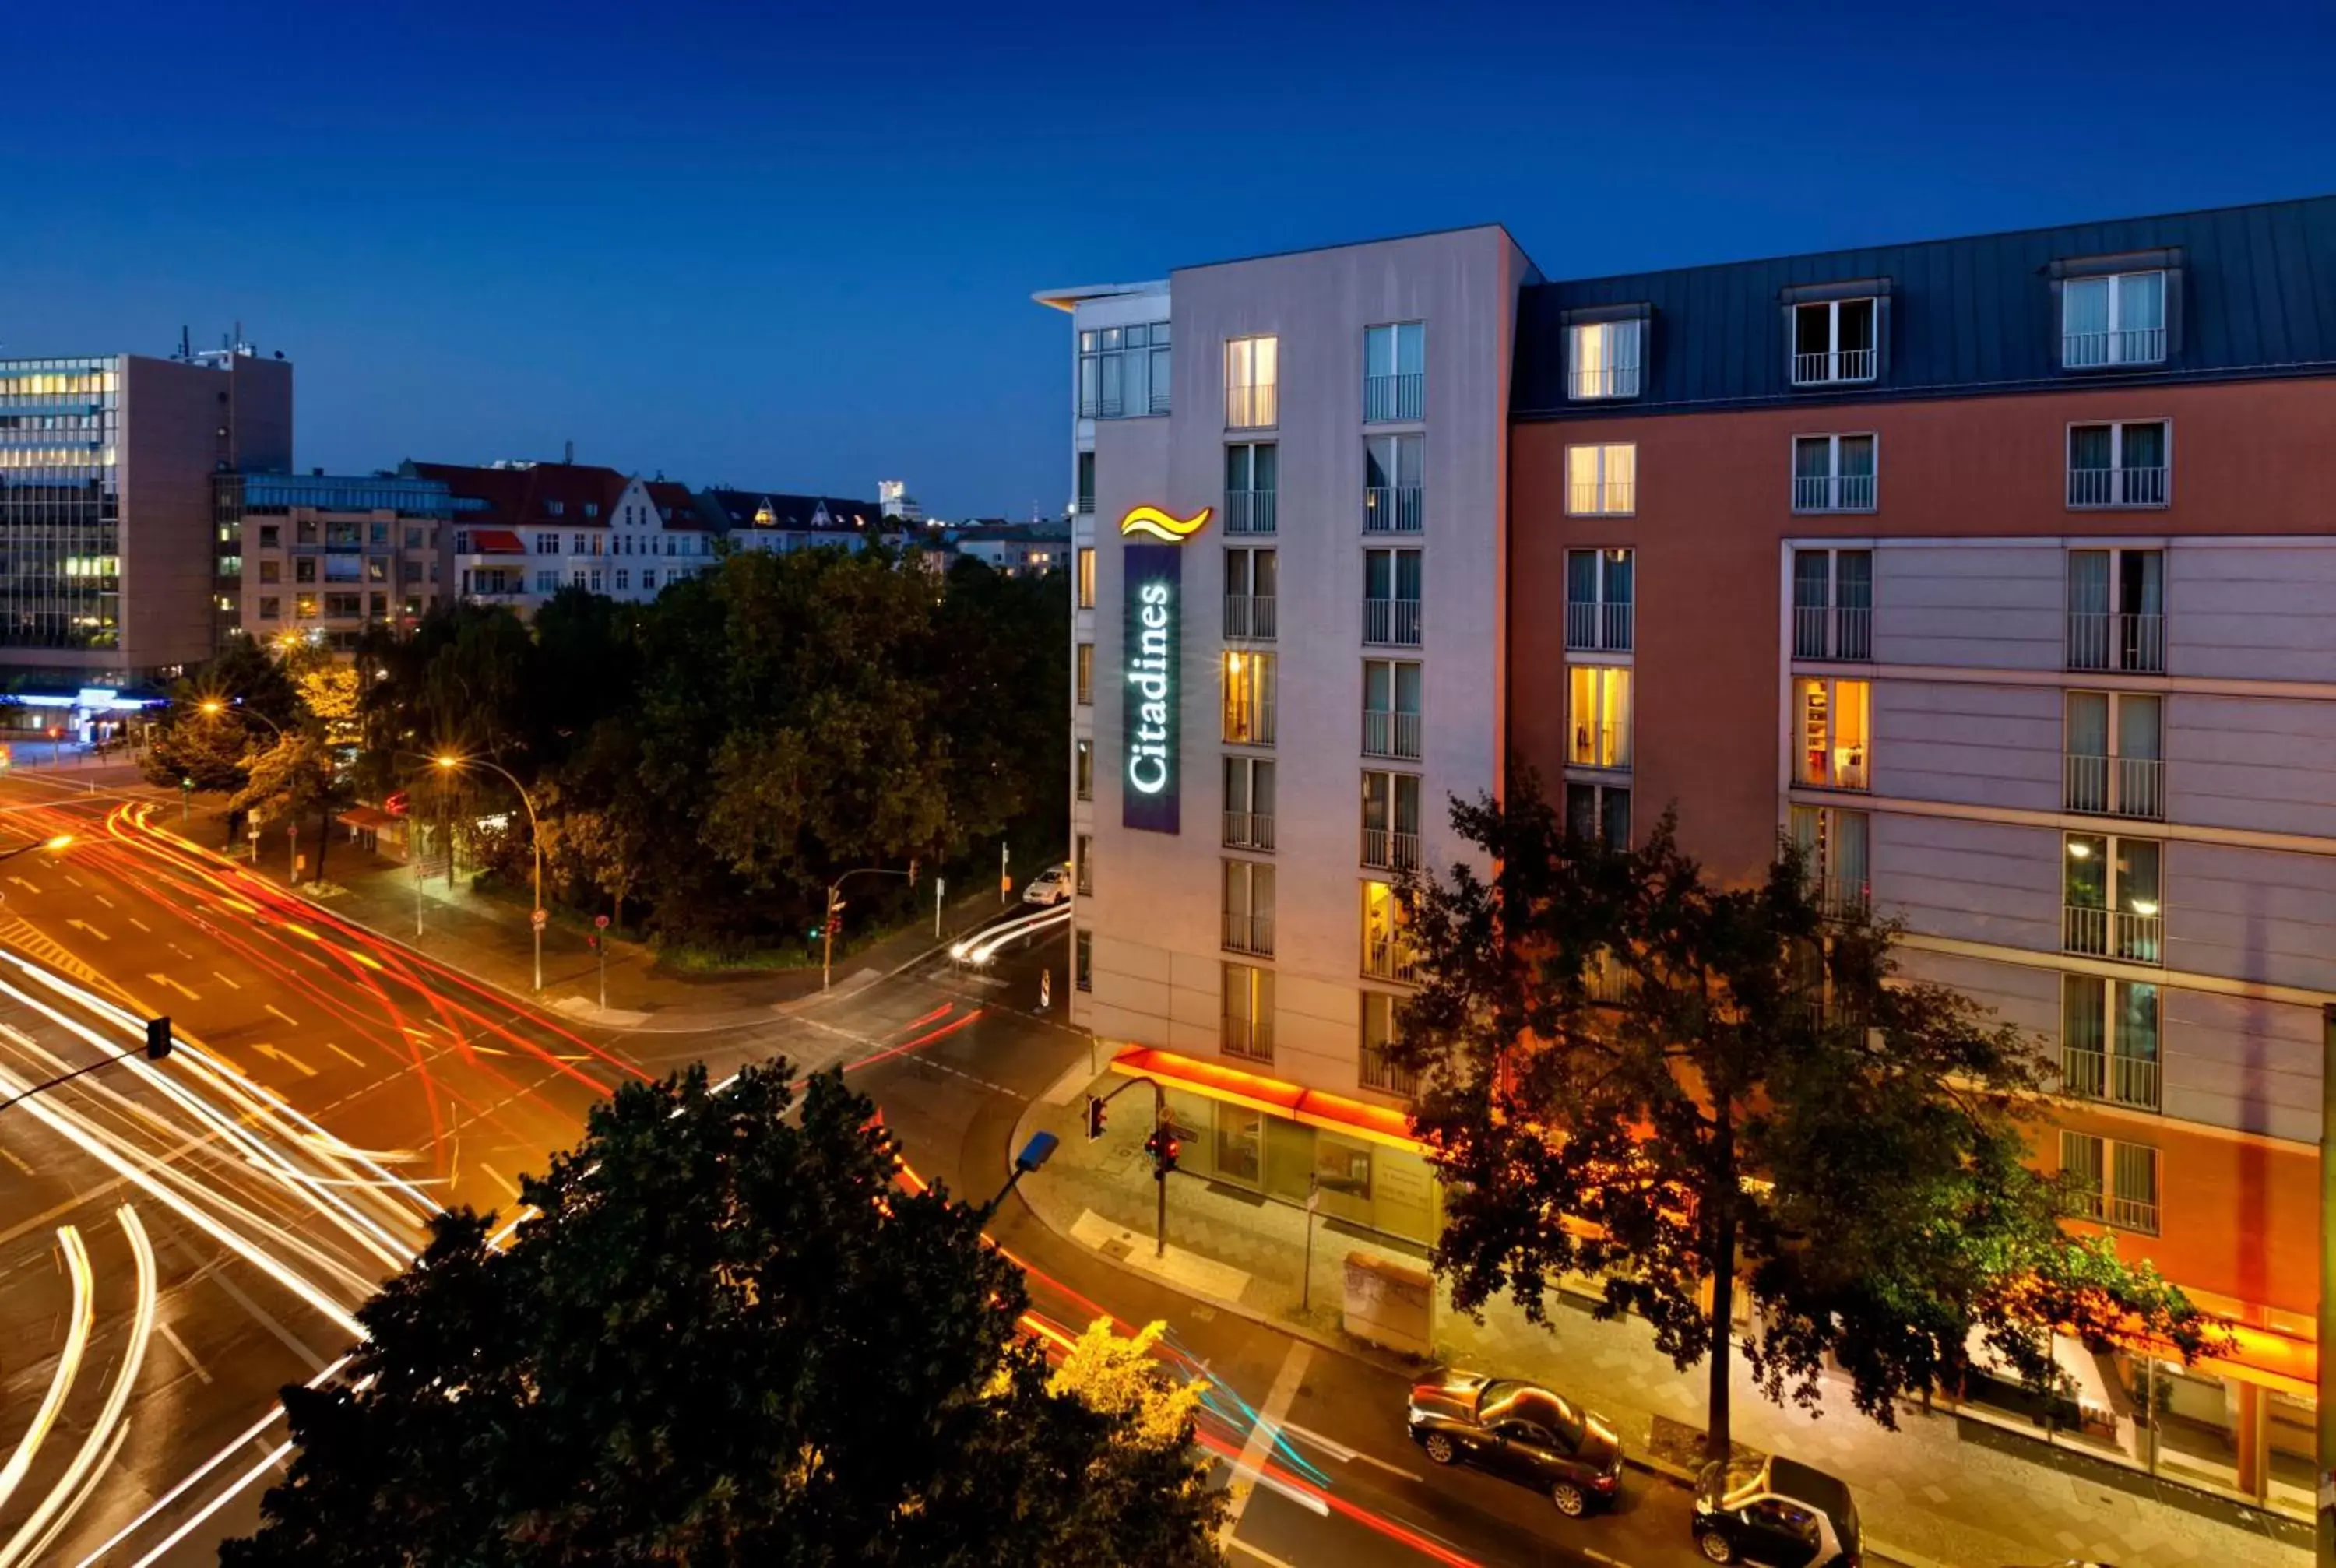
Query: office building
[[322, 559]]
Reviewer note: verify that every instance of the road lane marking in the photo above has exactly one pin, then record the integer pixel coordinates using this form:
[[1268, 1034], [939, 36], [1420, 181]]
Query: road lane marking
[[1340, 1451], [501, 1180], [141, 925], [184, 1354], [280, 1013], [166, 980], [274, 1054], [92, 930], [229, 984], [75, 881], [12, 1160], [1261, 1436], [352, 1061], [28, 887], [1267, 1558], [100, 897]]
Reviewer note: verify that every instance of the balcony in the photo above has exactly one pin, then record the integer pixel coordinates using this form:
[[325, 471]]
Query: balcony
[[1249, 617], [1602, 498], [1391, 509], [1390, 850], [1598, 627], [2124, 934], [1250, 1038], [1828, 632], [2113, 787], [2097, 487], [1391, 735], [1843, 897], [1248, 511], [1833, 493], [1378, 1072], [2119, 1080], [2126, 1214], [1391, 622], [2131, 643], [1390, 959], [1394, 399], [1246, 933], [2131, 345], [1248, 829], [1603, 380], [1252, 407], [1830, 366]]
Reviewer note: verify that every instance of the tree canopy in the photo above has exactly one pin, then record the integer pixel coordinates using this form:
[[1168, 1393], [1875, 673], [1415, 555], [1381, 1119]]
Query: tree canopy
[[729, 1337], [1634, 1074]]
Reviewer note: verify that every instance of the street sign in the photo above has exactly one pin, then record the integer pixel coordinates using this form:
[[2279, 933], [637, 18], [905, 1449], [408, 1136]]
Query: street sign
[[540, 920], [601, 921]]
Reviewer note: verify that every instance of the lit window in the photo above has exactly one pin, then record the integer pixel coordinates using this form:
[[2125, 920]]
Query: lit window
[[1601, 481], [1833, 729], [1248, 698], [1252, 372], [1602, 358], [1084, 663], [1598, 696], [1387, 952]]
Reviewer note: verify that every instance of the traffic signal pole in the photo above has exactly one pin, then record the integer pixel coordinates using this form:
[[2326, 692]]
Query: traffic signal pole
[[1161, 1146]]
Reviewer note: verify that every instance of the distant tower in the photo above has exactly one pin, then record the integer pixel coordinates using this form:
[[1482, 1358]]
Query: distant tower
[[894, 499]]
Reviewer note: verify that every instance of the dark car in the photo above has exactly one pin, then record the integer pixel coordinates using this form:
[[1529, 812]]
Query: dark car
[[1523, 1432], [1777, 1514]]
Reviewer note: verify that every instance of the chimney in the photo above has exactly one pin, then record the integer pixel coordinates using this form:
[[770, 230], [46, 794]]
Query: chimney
[[571, 458]]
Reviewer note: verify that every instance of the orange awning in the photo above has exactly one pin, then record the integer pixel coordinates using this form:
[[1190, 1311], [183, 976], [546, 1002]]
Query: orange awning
[[1315, 1107]]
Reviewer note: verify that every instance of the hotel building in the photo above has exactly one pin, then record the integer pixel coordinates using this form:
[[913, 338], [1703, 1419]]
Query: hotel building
[[1996, 572]]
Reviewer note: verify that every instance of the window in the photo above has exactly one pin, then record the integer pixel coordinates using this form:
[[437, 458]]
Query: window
[[1395, 367], [344, 606], [1602, 359], [1084, 663], [1249, 907], [1833, 473], [303, 569], [1601, 481], [578, 543], [2122, 463], [1249, 698], [2118, 319], [1087, 482], [547, 544], [271, 536], [547, 581], [554, 509], [1083, 768], [1599, 812], [409, 571], [1086, 558], [2110, 897], [596, 580], [1833, 604], [1251, 370], [1248, 1012], [1083, 864], [1382, 1025], [2116, 609], [2113, 1184], [1391, 597], [271, 607], [1249, 802], [1251, 576], [1833, 844], [1391, 821], [304, 606], [1391, 709], [1833, 340], [1387, 945], [1392, 495], [271, 571], [591, 509], [624, 579], [2114, 762], [1082, 959], [2108, 1040], [1249, 487], [648, 577], [1598, 597], [1599, 706], [1832, 731], [1123, 371]]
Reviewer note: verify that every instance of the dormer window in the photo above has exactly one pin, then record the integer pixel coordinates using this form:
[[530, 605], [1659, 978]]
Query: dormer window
[[554, 508], [1604, 358], [2117, 319], [1833, 341]]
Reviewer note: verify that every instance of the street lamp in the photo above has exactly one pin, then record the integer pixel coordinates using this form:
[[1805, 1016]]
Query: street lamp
[[536, 918], [62, 842], [212, 706]]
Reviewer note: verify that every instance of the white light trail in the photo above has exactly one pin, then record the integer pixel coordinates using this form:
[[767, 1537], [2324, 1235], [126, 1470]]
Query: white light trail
[[984, 944], [84, 1318], [194, 1521]]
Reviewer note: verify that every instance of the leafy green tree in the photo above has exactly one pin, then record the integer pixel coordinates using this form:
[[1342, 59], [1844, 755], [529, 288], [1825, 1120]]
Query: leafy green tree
[[1636, 1073], [216, 715], [190, 744], [300, 775], [729, 1339]]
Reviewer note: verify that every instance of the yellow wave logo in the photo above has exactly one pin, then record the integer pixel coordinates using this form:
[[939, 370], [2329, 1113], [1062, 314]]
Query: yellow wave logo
[[1164, 525]]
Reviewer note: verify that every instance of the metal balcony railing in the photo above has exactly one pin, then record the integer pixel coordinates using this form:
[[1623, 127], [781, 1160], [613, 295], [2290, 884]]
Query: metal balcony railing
[[1391, 509], [1390, 959], [2115, 786], [1845, 898], [1249, 617], [2104, 933], [1604, 498], [1600, 626], [1249, 407], [1826, 631], [1393, 734], [1391, 622], [2120, 1079], [1248, 829], [1604, 381], [1250, 1038], [2090, 487], [1390, 399], [1378, 1072], [1247, 933], [2134, 643], [1834, 364], [1390, 850], [1833, 493], [2128, 346], [1248, 511]]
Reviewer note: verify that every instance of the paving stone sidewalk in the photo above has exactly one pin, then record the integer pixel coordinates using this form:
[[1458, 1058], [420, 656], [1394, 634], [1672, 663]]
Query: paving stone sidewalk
[[1942, 1492]]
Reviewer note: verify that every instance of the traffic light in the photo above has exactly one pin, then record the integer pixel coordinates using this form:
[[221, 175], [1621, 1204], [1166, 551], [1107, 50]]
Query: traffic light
[[1095, 1117], [158, 1039], [1163, 1148]]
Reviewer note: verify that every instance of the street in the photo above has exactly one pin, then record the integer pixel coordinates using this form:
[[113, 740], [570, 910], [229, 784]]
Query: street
[[178, 1241]]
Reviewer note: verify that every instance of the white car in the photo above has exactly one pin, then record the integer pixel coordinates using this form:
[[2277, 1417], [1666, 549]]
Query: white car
[[1051, 886]]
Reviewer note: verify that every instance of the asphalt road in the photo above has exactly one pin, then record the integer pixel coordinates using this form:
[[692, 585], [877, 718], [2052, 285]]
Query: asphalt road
[[337, 1086]]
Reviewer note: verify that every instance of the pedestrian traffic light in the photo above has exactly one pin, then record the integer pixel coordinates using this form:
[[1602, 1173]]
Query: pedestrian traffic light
[[158, 1039], [1095, 1117], [1163, 1148]]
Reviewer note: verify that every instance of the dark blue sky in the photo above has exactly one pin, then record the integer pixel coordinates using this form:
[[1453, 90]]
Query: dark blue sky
[[795, 250]]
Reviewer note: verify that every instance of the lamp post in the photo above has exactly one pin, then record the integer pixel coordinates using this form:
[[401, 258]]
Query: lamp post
[[536, 919], [62, 842]]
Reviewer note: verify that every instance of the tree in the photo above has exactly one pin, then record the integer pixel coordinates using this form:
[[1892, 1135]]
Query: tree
[[729, 1339], [331, 693], [1634, 1073], [209, 749], [246, 690], [299, 774]]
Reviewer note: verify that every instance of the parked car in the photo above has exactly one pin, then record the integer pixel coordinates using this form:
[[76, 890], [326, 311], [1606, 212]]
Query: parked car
[[1777, 1513], [1051, 886], [1520, 1431]]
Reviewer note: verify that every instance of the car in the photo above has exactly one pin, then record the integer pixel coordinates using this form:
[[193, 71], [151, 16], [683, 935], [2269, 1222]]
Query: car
[[1775, 1513], [1051, 886], [1523, 1432]]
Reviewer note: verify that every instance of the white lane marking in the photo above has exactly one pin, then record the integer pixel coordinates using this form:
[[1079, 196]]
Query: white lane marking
[[141, 925], [184, 1354], [280, 1013], [28, 887], [1340, 1452], [175, 985], [501, 1180], [92, 930], [1261, 1436], [1267, 1558], [352, 1061], [229, 984], [100, 897], [276, 1054]]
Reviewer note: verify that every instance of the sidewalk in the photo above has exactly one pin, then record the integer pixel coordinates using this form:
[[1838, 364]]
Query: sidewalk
[[1940, 1493]]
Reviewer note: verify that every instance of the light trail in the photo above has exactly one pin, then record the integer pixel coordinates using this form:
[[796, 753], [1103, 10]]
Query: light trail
[[984, 944], [83, 1319], [234, 1489]]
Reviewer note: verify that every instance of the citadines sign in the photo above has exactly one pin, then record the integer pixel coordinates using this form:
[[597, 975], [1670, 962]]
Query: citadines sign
[[1152, 618]]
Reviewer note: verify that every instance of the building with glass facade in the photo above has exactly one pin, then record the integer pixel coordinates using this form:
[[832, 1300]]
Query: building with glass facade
[[321, 559]]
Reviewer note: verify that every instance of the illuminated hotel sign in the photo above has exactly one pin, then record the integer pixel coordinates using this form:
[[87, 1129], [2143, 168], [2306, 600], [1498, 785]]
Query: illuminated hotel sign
[[1152, 615]]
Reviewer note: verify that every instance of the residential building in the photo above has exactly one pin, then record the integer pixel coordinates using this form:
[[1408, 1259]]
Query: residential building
[[322, 559], [772, 520], [1015, 549], [527, 530], [895, 503]]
